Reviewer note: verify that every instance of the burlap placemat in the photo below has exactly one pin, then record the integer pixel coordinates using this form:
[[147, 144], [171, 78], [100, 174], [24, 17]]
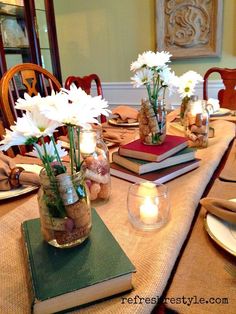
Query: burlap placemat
[[201, 273], [153, 254], [229, 171]]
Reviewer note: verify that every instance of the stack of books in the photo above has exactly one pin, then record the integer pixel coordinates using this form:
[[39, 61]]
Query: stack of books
[[136, 162]]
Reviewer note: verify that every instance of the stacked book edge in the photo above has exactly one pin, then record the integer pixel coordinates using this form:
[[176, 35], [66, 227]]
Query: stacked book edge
[[137, 162]]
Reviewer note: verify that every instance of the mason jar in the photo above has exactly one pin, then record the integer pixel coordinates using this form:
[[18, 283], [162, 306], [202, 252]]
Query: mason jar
[[96, 165], [196, 123], [64, 207], [152, 122]]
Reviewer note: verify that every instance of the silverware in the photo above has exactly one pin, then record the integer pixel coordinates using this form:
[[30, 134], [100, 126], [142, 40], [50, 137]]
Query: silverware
[[231, 269]]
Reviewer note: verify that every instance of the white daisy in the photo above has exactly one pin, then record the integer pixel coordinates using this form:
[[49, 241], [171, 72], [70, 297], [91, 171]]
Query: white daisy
[[188, 82], [50, 149], [34, 124], [142, 77], [28, 102], [12, 138], [75, 107], [162, 58]]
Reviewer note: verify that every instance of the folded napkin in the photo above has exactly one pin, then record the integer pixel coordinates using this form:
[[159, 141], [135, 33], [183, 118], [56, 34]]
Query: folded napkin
[[125, 114], [212, 105], [12, 176], [112, 136], [221, 208]]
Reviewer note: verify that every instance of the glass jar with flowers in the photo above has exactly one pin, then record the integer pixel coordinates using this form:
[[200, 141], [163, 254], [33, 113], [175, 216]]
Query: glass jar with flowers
[[186, 88], [64, 204], [151, 70]]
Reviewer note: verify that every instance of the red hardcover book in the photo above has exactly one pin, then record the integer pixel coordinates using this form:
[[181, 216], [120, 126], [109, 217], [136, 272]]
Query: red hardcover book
[[137, 149], [158, 176]]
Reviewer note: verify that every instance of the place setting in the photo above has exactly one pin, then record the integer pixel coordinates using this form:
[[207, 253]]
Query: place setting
[[220, 222], [125, 116], [121, 126], [17, 178]]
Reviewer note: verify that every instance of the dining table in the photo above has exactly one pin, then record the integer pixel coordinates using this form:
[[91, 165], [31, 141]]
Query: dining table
[[177, 266]]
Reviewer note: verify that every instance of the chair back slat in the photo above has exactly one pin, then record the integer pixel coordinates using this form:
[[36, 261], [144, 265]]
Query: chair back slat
[[227, 95], [23, 78], [29, 80]]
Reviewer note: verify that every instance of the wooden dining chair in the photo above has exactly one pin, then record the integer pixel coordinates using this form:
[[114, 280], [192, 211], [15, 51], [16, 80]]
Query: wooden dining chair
[[23, 78], [85, 83], [227, 95]]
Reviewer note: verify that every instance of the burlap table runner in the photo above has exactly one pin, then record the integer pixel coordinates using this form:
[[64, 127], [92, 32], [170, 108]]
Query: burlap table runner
[[229, 171], [201, 270], [154, 254]]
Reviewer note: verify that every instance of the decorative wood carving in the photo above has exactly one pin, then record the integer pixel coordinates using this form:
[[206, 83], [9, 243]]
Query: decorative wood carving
[[189, 28]]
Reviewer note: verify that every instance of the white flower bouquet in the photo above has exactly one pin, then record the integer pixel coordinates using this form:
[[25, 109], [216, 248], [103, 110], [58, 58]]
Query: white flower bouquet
[[43, 115], [151, 70]]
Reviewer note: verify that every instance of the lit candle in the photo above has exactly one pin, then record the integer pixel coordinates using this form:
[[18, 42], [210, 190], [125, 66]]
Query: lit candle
[[149, 211], [196, 107], [87, 142]]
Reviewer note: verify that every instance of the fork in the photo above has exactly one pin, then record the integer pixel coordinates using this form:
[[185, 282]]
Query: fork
[[231, 269]]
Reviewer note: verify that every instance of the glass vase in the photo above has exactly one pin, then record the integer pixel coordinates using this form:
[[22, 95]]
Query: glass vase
[[183, 107], [196, 123], [152, 122], [96, 165], [64, 207]]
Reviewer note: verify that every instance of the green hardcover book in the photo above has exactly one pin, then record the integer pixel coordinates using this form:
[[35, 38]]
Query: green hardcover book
[[140, 166], [65, 278]]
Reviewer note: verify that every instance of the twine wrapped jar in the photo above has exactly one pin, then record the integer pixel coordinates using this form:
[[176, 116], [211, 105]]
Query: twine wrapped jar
[[64, 207]]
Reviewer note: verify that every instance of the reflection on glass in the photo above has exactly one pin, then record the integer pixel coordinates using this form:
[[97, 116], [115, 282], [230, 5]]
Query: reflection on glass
[[39, 5], [42, 29], [46, 59]]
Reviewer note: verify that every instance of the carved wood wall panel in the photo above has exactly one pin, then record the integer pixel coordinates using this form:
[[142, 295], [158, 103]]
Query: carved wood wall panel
[[189, 28]]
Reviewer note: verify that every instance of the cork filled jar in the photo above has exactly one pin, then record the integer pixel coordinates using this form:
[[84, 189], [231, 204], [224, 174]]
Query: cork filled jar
[[96, 165], [64, 207], [196, 123], [152, 122]]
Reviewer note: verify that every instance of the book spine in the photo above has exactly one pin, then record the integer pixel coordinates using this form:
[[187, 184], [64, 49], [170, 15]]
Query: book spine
[[28, 269]]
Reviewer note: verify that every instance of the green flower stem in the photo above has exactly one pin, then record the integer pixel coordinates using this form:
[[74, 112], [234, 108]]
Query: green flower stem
[[78, 144], [39, 152], [52, 178], [47, 165], [149, 92], [70, 134], [56, 151], [74, 146], [44, 159]]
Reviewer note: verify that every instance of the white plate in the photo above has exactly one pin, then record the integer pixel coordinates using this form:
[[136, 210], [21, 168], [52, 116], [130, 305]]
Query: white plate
[[221, 112], [23, 189], [222, 232], [114, 122]]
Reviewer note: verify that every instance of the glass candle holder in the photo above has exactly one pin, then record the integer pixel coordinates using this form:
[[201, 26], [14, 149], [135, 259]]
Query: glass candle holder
[[148, 205]]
